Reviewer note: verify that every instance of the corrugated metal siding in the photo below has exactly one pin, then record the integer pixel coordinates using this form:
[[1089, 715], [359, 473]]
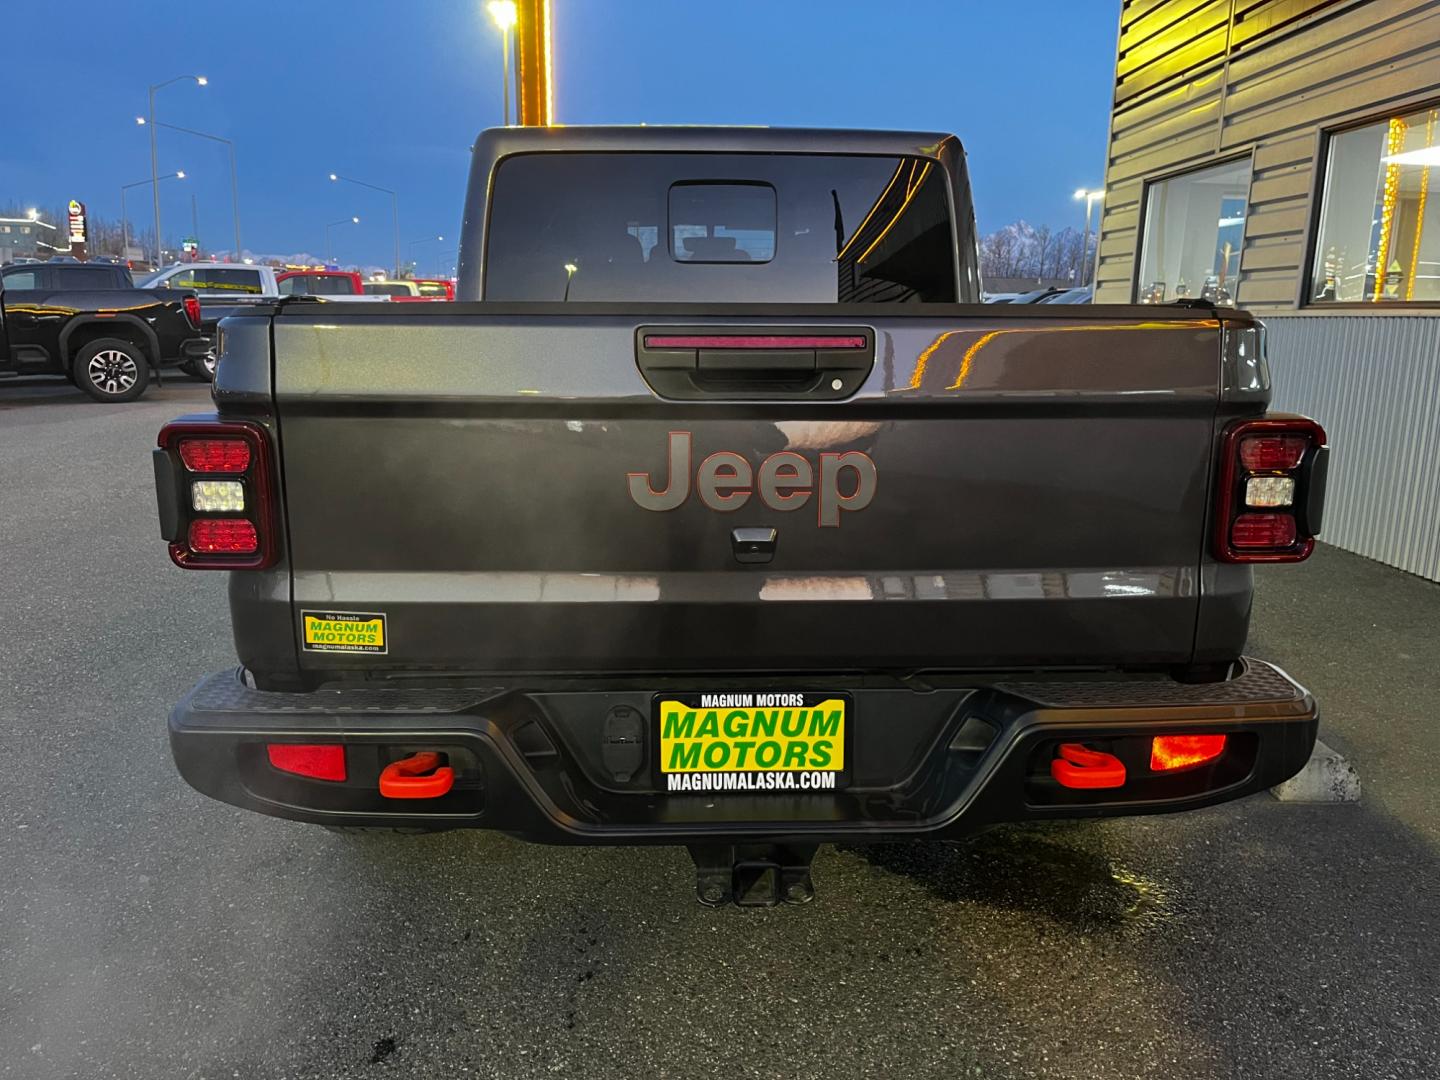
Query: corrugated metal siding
[[1293, 66], [1373, 383]]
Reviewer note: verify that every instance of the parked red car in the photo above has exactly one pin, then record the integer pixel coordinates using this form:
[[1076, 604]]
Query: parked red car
[[320, 283]]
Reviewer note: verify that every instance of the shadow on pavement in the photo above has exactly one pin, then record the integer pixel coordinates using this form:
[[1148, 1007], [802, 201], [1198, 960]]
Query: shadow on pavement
[[1061, 871]]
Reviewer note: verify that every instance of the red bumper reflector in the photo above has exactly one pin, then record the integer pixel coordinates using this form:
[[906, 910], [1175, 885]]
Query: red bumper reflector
[[215, 455], [753, 341], [1263, 531], [403, 779], [223, 536], [319, 762], [1181, 751], [1080, 767]]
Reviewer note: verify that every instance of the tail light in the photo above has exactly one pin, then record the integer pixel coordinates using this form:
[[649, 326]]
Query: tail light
[[192, 311], [318, 761], [214, 483], [1169, 752], [1272, 489]]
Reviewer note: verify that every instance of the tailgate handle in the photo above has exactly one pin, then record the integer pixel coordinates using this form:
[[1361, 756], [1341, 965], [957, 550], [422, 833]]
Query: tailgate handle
[[785, 363]]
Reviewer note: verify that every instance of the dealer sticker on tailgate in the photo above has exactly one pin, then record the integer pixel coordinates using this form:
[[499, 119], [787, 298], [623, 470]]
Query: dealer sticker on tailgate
[[750, 742], [344, 631]]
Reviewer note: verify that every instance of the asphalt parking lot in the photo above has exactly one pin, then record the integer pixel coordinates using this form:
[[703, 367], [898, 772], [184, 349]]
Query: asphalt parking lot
[[148, 932]]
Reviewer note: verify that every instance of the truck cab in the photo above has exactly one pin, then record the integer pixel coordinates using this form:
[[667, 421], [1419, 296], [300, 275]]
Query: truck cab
[[331, 284]]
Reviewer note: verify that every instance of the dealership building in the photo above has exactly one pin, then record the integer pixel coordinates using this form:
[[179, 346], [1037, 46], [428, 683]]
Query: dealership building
[[1284, 155]]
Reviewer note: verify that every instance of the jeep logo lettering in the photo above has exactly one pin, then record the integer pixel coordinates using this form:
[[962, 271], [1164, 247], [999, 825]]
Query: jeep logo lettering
[[784, 481]]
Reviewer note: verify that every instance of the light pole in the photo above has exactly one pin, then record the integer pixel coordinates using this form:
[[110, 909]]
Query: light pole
[[504, 14], [234, 184], [125, 221], [342, 221], [1089, 197], [394, 209], [422, 240], [200, 80]]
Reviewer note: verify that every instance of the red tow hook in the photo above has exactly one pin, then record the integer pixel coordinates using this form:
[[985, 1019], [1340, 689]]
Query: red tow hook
[[405, 779], [1080, 767]]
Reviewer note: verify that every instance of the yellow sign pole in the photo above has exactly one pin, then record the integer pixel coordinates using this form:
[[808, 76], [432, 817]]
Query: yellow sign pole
[[534, 83]]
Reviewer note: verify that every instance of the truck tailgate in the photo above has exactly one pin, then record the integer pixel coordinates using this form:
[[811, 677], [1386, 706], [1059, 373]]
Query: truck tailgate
[[1038, 492]]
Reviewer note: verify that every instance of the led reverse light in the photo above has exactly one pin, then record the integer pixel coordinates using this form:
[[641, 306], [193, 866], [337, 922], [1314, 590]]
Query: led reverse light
[[1270, 491], [222, 495]]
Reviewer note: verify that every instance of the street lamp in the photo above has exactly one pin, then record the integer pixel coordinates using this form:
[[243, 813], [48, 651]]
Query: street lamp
[[423, 240], [394, 209], [1090, 197], [342, 221], [570, 269], [234, 184], [125, 222], [199, 80], [503, 13]]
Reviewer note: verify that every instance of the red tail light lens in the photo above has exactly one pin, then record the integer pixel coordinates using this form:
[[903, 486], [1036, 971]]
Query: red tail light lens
[[223, 536], [192, 311], [753, 341], [1268, 453], [1263, 531], [1271, 490], [1169, 752], [315, 760], [215, 455]]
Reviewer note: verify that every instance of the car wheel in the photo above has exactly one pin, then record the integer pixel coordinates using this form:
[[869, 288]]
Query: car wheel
[[111, 369], [202, 368]]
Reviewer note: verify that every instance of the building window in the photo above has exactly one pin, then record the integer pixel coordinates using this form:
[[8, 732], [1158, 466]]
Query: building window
[[1194, 225], [1379, 239]]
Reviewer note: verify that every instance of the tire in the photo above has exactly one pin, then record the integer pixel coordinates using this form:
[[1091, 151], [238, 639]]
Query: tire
[[202, 369], [111, 369]]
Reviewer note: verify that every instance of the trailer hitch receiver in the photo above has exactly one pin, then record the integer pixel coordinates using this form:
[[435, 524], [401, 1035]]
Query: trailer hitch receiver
[[753, 875]]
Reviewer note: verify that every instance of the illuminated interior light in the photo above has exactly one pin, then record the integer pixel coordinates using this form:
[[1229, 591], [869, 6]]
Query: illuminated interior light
[[1394, 143], [1420, 203]]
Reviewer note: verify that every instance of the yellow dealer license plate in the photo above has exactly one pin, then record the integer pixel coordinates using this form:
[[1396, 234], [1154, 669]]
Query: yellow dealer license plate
[[743, 742]]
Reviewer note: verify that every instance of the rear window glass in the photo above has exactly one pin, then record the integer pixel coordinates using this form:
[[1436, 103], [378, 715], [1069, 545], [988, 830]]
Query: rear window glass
[[85, 277], [331, 285], [217, 280], [720, 227], [431, 288], [722, 222], [378, 289], [20, 279]]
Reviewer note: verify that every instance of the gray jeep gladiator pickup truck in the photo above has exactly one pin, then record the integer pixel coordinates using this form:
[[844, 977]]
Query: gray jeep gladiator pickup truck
[[718, 512]]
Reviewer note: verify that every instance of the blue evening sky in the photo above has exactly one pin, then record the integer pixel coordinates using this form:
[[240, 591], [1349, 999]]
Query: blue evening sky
[[393, 92]]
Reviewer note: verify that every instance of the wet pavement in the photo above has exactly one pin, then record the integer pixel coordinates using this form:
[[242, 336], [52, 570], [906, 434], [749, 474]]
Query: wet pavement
[[146, 931]]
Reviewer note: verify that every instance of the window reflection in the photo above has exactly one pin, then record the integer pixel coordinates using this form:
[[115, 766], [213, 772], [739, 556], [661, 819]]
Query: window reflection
[[1379, 239], [1194, 227]]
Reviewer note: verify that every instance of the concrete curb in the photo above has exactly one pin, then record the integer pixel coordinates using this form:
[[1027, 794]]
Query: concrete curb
[[1326, 778]]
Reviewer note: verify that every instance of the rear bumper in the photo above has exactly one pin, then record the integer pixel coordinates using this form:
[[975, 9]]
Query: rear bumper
[[940, 761]]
